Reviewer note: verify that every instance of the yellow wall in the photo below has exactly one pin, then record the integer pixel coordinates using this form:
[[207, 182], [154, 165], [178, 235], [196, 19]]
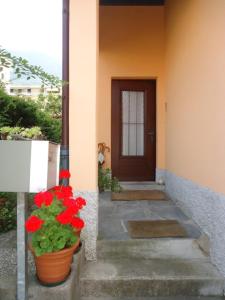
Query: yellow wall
[[83, 93], [131, 46], [195, 91]]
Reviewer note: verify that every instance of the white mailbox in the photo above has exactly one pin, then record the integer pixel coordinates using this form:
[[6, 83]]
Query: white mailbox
[[28, 166]]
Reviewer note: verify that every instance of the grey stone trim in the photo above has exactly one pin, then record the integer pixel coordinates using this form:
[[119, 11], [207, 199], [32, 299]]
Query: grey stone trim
[[90, 215], [206, 208], [160, 175]]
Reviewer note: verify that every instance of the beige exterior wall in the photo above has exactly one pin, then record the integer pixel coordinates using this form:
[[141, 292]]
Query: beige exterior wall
[[195, 91], [83, 93], [131, 46]]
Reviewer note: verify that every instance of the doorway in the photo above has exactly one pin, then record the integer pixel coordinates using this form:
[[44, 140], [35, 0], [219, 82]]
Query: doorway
[[133, 130]]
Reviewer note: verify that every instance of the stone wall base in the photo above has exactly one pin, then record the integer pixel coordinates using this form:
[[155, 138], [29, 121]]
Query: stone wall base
[[90, 216], [206, 208], [160, 175]]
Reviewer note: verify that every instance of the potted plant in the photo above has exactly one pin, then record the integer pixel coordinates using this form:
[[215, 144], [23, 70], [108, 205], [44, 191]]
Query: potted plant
[[105, 180], [53, 225], [20, 133], [5, 132], [33, 133]]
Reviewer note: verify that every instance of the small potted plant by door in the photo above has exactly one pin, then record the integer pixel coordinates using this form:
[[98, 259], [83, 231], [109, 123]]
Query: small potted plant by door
[[52, 225]]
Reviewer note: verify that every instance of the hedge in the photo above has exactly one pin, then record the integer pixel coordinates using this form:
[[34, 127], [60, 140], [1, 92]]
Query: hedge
[[19, 111]]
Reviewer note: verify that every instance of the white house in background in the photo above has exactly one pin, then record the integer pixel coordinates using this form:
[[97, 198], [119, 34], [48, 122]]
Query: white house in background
[[25, 90], [31, 90], [23, 87]]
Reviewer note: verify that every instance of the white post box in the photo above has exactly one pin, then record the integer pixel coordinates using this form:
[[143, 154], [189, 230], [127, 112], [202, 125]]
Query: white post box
[[28, 166]]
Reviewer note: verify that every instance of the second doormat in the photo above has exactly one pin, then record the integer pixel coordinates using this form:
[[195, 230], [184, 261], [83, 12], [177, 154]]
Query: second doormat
[[155, 229], [139, 195]]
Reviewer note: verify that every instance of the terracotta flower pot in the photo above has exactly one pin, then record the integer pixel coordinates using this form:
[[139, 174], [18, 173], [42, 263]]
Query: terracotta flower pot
[[53, 268], [77, 233], [4, 136]]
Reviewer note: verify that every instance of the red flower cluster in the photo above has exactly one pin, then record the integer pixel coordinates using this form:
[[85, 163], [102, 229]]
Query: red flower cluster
[[71, 205], [77, 223], [68, 216], [43, 198], [80, 202], [33, 224], [64, 174], [62, 192], [65, 217]]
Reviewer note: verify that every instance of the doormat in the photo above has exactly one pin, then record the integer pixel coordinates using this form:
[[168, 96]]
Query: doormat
[[139, 195], [155, 229]]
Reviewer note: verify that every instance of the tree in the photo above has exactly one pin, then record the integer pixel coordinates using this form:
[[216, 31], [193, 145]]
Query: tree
[[52, 103], [22, 68], [17, 111]]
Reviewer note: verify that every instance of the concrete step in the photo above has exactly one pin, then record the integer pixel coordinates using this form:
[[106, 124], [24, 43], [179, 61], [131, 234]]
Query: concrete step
[[138, 277], [154, 298], [143, 185], [176, 248]]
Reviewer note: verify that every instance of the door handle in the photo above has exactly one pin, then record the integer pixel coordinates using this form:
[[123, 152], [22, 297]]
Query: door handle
[[151, 134]]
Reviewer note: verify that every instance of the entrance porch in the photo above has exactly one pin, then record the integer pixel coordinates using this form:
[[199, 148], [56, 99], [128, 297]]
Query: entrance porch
[[178, 44]]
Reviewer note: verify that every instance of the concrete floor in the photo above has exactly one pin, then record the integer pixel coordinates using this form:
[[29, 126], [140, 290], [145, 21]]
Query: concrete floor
[[113, 216]]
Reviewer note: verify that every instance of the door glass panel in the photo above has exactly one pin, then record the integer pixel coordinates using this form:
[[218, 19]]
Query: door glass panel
[[140, 139], [140, 107], [125, 107], [125, 139], [132, 123], [132, 140], [133, 107]]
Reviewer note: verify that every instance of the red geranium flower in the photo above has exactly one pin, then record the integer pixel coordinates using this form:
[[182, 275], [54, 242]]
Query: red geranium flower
[[71, 205], [33, 224], [77, 223], [68, 202], [80, 202], [73, 209], [43, 198], [64, 174], [56, 188], [65, 217], [62, 192], [59, 195], [67, 191]]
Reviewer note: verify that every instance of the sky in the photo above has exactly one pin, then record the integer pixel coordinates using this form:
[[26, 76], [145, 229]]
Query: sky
[[33, 29]]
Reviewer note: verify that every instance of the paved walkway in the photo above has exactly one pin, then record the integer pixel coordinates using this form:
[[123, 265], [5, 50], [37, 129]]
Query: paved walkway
[[144, 269], [113, 216]]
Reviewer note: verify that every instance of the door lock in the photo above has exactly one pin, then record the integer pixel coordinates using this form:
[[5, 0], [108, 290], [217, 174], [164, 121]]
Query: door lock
[[151, 134]]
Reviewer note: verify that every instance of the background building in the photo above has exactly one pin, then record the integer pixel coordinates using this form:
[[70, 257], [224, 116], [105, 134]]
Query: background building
[[23, 87]]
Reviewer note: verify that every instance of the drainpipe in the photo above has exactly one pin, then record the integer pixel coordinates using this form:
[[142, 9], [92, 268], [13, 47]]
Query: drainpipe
[[64, 154]]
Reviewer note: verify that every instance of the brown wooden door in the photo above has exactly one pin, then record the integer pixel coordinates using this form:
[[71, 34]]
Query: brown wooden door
[[133, 130]]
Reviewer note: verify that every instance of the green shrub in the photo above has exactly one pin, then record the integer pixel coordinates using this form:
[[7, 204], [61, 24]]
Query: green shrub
[[14, 133], [106, 181], [7, 211], [32, 133], [17, 111]]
